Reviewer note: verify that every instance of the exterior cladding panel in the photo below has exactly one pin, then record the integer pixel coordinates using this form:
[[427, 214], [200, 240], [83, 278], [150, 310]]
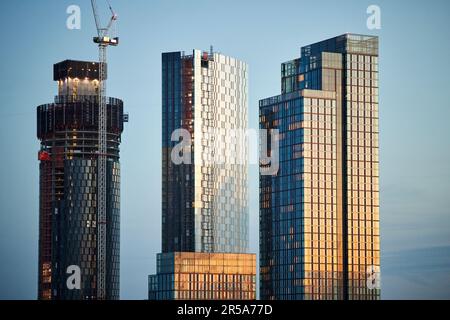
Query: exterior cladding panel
[[177, 196], [77, 241]]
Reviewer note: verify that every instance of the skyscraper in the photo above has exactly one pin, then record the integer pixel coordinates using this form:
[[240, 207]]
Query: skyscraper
[[204, 199], [319, 215], [68, 131]]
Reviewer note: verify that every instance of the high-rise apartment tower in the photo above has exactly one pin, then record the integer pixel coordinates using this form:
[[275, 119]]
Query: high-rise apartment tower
[[319, 215], [204, 199]]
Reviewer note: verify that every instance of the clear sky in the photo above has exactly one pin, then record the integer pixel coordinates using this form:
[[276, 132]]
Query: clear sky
[[414, 116]]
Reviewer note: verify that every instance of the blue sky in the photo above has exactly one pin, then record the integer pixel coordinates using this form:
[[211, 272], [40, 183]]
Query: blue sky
[[414, 114]]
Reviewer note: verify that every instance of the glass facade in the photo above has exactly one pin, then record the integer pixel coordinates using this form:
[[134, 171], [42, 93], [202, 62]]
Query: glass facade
[[205, 201], [68, 130], [319, 216], [204, 276]]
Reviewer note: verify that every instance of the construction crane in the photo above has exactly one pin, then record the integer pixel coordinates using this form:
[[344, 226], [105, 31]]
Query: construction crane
[[104, 40]]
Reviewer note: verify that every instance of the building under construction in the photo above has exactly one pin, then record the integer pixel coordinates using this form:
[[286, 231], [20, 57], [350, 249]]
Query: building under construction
[[69, 133]]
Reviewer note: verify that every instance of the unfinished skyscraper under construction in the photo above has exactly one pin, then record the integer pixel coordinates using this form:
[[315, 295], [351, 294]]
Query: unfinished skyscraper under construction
[[68, 131]]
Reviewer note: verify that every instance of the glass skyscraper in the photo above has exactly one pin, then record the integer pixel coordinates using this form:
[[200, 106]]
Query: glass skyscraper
[[68, 131], [319, 215], [204, 199]]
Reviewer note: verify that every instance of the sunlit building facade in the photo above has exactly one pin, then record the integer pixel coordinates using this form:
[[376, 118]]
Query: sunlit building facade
[[204, 198], [203, 276], [319, 215]]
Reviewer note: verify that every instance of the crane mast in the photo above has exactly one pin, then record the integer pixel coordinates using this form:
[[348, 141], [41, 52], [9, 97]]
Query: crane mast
[[103, 40]]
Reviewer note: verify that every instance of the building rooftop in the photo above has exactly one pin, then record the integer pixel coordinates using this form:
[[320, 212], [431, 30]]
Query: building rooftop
[[345, 43], [75, 69]]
